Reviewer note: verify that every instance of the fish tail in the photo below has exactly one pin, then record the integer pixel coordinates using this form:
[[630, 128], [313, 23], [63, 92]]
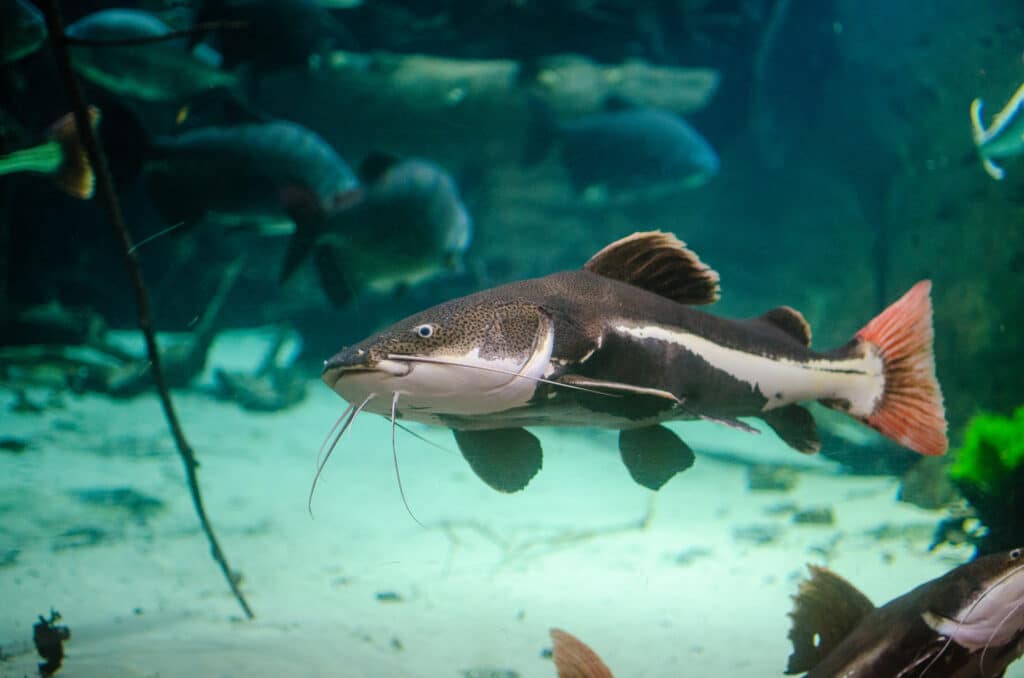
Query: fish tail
[[74, 174], [910, 409], [574, 658], [980, 136]]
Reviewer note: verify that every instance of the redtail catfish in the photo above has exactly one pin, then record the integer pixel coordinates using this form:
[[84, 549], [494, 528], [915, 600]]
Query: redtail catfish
[[968, 623], [618, 344]]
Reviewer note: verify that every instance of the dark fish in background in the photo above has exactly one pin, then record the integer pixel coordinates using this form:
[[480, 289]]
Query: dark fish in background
[[410, 226], [165, 71], [624, 152], [248, 173], [968, 623], [22, 30], [277, 34], [618, 345], [61, 157]]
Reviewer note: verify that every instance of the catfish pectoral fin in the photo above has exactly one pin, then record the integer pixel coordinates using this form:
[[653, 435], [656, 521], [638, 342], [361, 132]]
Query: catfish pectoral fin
[[504, 458], [653, 455], [795, 426]]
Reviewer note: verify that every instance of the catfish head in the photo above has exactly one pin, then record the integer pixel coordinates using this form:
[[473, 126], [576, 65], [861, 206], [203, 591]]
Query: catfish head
[[470, 356]]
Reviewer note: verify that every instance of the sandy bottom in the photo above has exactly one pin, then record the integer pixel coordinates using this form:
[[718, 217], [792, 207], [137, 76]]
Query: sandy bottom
[[672, 584]]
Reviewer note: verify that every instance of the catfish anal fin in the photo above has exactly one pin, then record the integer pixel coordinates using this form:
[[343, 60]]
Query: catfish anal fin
[[795, 426], [826, 609], [506, 458], [659, 263], [653, 455]]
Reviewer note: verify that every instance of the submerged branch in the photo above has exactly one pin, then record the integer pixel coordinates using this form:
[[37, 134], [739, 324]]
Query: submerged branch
[[105, 189]]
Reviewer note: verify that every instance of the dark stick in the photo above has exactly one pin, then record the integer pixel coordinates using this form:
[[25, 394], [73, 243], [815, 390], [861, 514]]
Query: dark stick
[[198, 29], [105, 188]]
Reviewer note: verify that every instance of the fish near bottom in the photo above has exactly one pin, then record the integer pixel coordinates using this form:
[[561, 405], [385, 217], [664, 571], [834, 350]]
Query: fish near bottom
[[968, 623], [618, 344]]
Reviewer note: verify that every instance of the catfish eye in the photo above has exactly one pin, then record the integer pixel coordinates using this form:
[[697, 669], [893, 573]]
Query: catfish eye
[[1015, 554], [425, 331]]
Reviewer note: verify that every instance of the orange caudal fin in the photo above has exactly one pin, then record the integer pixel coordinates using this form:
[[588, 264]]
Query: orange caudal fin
[[74, 174], [574, 658], [910, 410]]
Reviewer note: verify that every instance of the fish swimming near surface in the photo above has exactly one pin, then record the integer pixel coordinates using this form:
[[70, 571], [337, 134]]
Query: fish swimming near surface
[[625, 152], [1004, 138], [164, 71], [251, 172], [618, 344], [968, 623], [410, 225], [61, 157], [22, 30]]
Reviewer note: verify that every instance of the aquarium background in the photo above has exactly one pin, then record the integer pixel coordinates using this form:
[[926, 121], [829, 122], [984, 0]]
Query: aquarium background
[[847, 173]]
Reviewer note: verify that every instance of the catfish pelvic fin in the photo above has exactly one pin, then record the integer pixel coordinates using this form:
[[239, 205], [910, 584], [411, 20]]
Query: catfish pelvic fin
[[827, 608], [504, 458], [653, 454], [659, 263]]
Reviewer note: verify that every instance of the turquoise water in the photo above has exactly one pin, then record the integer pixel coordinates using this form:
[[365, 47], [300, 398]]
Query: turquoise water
[[816, 155]]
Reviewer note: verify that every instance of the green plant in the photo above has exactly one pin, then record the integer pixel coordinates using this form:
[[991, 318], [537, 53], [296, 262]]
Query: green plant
[[993, 450]]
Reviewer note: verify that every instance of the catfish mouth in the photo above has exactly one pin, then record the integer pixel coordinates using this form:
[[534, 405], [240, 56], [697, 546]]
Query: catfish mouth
[[360, 363]]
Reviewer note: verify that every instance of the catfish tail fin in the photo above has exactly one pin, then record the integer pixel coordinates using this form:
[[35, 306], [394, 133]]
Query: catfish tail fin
[[910, 409]]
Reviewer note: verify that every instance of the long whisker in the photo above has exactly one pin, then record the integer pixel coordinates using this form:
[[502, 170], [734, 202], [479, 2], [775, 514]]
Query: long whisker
[[423, 438], [394, 456], [320, 452], [341, 432], [511, 373], [963, 620], [981, 660]]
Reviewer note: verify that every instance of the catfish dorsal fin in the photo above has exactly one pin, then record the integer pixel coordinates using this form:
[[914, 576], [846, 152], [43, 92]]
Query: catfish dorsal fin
[[790, 321], [826, 609], [659, 263]]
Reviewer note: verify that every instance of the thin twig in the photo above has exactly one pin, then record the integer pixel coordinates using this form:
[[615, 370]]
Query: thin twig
[[105, 188], [198, 29]]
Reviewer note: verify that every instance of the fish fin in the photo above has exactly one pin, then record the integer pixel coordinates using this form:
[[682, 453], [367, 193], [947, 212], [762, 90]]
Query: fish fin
[[993, 170], [790, 321], [660, 263], [728, 421], [574, 658], [826, 609], [617, 387], [910, 410], [504, 458], [74, 174], [795, 426], [375, 165], [653, 455], [303, 207], [977, 126], [329, 259]]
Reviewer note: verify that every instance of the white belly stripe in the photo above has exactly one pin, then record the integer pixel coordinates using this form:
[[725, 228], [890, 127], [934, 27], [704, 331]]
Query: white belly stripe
[[860, 383]]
